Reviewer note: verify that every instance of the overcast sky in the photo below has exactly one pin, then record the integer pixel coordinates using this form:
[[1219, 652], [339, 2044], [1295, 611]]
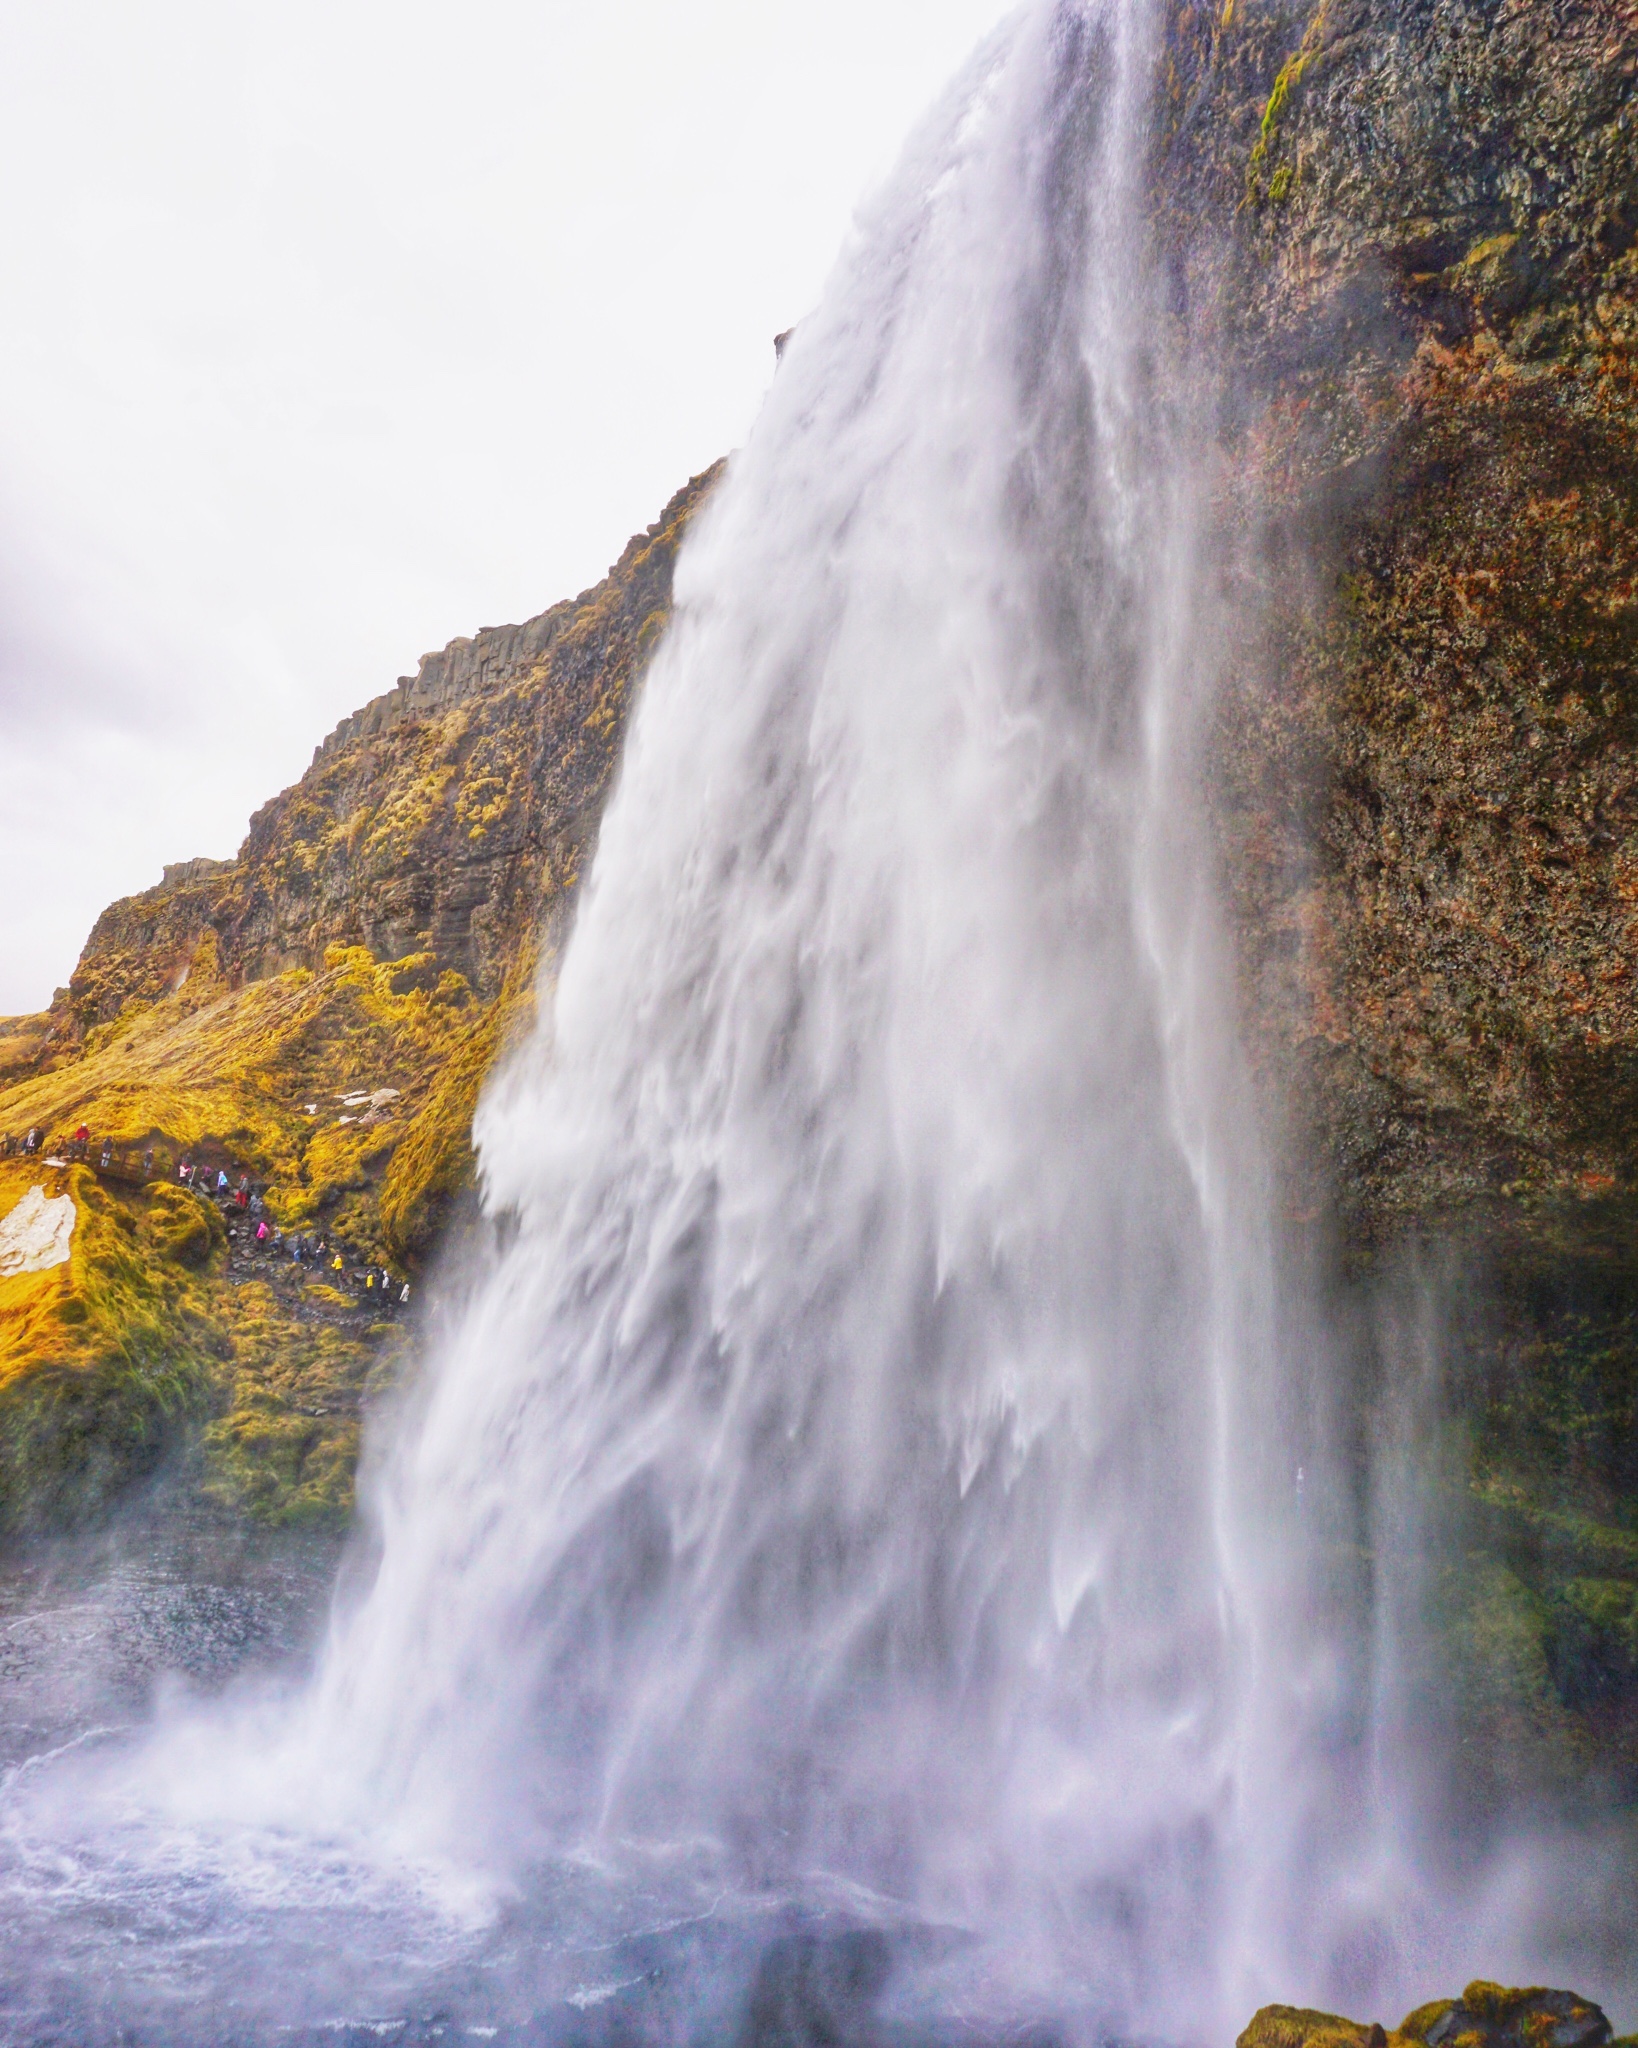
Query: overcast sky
[[332, 330]]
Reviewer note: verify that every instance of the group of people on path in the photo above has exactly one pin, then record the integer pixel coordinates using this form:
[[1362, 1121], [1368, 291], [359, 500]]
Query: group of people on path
[[317, 1251], [36, 1144], [378, 1283], [309, 1248]]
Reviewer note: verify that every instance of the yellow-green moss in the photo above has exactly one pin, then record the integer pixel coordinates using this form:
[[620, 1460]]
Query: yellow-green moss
[[1417, 2025], [99, 1357], [1292, 2026], [181, 1225], [143, 1327], [1286, 81], [284, 1448]]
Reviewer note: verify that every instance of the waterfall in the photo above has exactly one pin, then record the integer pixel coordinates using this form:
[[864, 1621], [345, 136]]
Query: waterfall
[[866, 1469], [859, 1459]]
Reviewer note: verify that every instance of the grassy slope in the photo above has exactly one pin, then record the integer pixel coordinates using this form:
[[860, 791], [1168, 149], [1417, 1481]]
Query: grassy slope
[[226, 1014], [149, 1324]]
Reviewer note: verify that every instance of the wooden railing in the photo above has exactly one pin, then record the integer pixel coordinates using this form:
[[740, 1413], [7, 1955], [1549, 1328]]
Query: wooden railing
[[132, 1165]]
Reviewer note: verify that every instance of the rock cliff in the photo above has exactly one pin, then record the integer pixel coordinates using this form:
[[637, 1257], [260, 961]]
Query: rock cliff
[[1404, 236], [313, 1019]]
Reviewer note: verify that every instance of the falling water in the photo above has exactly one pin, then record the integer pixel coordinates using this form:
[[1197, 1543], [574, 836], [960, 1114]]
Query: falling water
[[846, 1466], [863, 1481]]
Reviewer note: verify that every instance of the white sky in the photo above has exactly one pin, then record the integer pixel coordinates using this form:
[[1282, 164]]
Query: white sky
[[333, 329]]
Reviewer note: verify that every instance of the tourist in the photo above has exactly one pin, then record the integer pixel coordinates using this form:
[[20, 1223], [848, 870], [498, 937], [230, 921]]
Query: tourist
[[106, 1156], [184, 1172], [82, 1142], [261, 1232], [221, 1182], [148, 1164], [32, 1142], [242, 1193], [403, 1299]]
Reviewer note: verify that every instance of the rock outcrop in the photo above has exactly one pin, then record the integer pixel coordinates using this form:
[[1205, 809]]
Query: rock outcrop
[[1485, 2016]]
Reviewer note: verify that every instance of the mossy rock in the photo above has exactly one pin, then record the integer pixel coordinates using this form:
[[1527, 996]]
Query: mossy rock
[[182, 1226], [1496, 2016], [1485, 2016], [1295, 2026]]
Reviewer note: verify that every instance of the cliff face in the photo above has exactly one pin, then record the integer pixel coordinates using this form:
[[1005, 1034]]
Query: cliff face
[[1432, 300], [316, 1017], [1419, 280]]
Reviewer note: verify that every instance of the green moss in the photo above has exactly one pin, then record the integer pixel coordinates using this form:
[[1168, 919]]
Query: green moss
[[330, 1297], [433, 1165], [1495, 1637], [1417, 2025], [183, 1226], [1286, 81], [1292, 2026], [101, 1360], [284, 1448]]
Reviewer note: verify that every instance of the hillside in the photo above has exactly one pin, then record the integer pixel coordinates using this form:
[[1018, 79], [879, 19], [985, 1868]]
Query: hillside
[[314, 1016]]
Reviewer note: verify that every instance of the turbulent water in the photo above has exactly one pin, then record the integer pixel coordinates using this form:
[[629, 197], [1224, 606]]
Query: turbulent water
[[865, 1563]]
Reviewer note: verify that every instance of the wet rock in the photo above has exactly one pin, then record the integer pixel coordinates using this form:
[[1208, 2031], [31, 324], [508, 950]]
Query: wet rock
[[1485, 2016], [1491, 2016]]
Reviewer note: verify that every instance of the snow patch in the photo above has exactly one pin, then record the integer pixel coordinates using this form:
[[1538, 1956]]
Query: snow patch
[[36, 1235]]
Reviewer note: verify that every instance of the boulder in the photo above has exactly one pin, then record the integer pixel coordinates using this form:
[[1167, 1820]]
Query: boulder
[[1485, 2016]]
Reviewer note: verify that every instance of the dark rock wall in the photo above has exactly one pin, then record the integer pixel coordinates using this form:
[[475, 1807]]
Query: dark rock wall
[[1403, 235], [1423, 285]]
